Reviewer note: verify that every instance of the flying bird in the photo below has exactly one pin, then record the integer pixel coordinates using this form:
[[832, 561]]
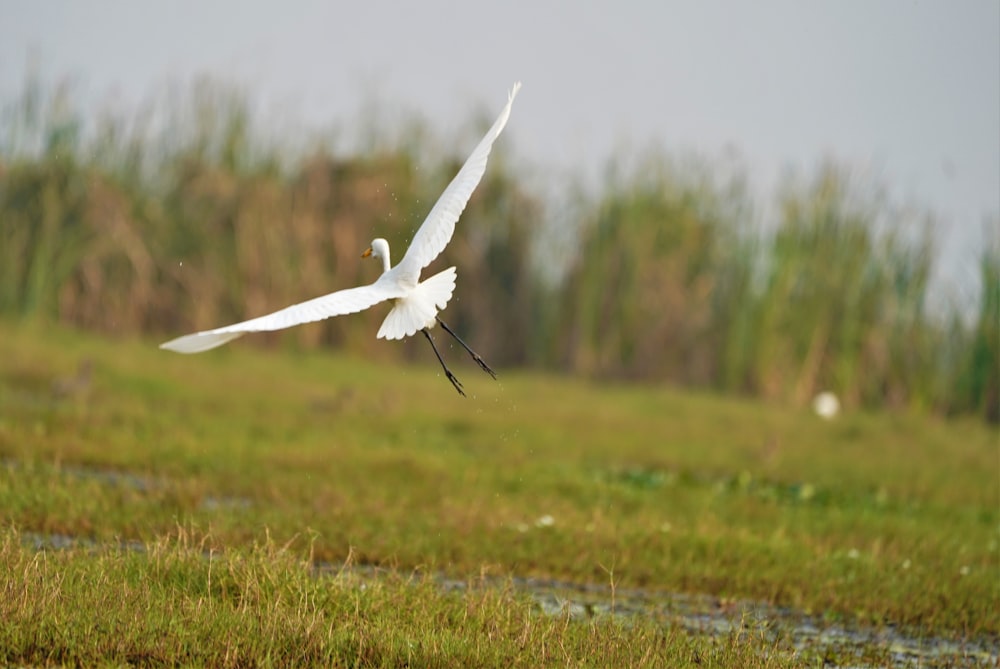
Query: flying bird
[[415, 303]]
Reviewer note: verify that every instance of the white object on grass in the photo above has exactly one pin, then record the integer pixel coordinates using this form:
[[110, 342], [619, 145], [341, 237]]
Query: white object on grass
[[415, 303], [826, 405]]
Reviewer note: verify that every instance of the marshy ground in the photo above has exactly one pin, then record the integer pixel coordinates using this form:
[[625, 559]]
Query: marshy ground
[[249, 508]]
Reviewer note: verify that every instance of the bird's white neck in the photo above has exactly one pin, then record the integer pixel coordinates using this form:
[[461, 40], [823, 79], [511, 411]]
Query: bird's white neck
[[380, 248]]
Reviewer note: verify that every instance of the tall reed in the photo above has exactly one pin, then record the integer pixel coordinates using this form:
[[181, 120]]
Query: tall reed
[[842, 305], [185, 217]]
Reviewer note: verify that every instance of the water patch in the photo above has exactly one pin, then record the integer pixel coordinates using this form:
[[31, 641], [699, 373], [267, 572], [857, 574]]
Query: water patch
[[787, 630], [802, 634]]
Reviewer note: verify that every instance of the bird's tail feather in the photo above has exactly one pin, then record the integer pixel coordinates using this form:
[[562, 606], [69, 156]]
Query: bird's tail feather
[[418, 309]]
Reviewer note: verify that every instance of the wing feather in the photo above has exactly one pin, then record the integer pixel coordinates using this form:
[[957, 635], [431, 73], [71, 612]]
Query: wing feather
[[436, 230], [342, 302]]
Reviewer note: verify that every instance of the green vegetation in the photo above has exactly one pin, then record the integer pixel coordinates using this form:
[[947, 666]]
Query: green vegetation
[[272, 463], [160, 509], [264, 607], [187, 217]]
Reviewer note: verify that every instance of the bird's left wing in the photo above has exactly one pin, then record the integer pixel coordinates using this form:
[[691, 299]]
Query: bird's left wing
[[437, 229], [339, 303]]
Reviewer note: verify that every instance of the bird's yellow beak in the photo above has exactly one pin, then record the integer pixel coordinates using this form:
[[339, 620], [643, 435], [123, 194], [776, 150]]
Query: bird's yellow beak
[[367, 253]]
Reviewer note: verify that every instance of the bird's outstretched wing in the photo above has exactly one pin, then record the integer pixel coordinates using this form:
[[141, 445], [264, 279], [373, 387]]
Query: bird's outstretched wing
[[339, 303], [436, 230]]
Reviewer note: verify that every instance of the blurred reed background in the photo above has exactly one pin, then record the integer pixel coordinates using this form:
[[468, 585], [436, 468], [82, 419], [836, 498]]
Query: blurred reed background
[[189, 216]]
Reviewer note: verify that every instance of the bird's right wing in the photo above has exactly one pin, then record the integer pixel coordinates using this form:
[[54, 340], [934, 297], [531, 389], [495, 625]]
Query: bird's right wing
[[436, 230], [339, 303]]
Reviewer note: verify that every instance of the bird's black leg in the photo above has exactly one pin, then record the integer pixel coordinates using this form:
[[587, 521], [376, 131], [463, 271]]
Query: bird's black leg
[[447, 372], [475, 356]]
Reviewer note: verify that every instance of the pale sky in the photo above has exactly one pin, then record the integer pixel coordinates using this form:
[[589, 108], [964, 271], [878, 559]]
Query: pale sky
[[907, 91]]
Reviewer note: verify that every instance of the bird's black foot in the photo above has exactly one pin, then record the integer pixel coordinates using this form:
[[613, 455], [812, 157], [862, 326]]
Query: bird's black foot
[[475, 356], [455, 382], [482, 365]]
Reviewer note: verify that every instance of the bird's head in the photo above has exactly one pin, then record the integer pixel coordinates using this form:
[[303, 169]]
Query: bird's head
[[380, 250]]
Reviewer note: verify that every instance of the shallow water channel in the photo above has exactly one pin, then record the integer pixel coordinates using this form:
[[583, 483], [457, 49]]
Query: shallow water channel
[[701, 614], [793, 631]]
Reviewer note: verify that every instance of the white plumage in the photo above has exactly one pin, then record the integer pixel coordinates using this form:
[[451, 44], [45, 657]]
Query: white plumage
[[415, 303]]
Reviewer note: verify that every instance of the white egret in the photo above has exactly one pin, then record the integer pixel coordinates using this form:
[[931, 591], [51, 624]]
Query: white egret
[[415, 303]]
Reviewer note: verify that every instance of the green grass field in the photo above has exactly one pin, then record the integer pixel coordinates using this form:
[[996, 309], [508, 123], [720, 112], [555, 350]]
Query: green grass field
[[274, 462]]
